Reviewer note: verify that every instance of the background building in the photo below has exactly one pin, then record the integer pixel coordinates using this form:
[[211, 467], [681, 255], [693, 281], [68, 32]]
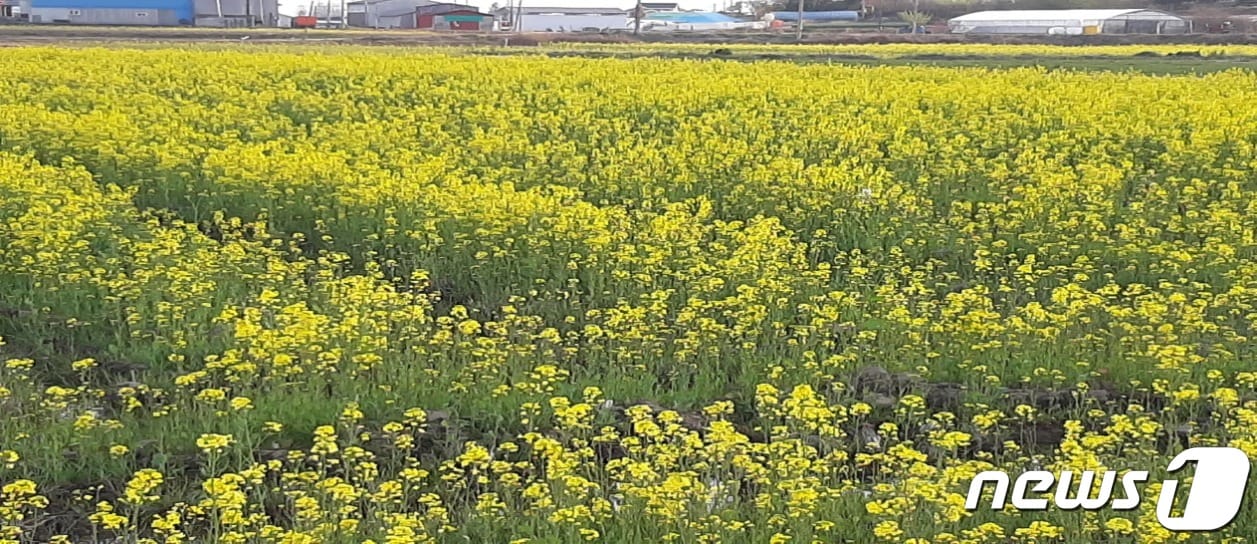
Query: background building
[[1070, 21], [384, 13], [114, 12], [452, 17], [396, 19], [217, 13], [695, 20], [543, 19], [420, 14]]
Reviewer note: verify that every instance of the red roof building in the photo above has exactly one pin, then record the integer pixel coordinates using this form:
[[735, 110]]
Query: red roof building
[[452, 17]]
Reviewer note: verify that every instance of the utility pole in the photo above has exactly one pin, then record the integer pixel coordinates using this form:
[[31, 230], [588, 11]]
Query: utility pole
[[799, 24], [637, 18]]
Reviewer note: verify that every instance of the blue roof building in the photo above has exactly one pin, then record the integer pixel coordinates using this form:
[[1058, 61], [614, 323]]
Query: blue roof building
[[694, 20]]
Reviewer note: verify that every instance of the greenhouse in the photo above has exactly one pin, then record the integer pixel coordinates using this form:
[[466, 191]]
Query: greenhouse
[[1070, 22], [690, 20]]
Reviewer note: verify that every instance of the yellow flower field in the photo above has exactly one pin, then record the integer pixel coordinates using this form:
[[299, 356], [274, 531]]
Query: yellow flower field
[[894, 50], [343, 295]]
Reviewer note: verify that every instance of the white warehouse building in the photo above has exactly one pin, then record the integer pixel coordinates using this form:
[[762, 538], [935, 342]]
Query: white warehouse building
[[547, 19], [1070, 22]]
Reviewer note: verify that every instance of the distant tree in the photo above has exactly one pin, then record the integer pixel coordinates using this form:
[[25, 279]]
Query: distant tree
[[751, 7], [916, 18], [1170, 5]]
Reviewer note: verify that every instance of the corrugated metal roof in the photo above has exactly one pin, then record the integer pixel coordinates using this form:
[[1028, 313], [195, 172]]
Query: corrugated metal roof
[[1051, 15], [439, 8]]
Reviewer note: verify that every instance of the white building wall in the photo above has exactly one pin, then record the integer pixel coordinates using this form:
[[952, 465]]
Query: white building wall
[[749, 25], [48, 15], [570, 23]]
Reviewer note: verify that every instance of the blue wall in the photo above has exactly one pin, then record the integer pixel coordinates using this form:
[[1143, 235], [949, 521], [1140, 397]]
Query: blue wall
[[183, 8], [690, 17]]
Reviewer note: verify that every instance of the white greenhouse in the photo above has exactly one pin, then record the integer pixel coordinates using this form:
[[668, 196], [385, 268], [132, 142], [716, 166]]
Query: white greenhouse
[[1070, 22]]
